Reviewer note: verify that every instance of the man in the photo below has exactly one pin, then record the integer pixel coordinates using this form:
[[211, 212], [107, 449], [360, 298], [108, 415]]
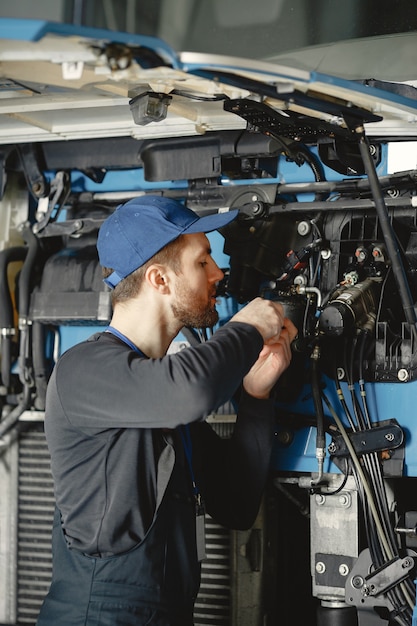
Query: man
[[133, 460]]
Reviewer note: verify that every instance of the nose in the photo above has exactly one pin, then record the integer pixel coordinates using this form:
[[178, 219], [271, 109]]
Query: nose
[[216, 273]]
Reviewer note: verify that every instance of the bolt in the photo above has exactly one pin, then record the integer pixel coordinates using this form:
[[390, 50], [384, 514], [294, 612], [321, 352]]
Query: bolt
[[357, 582], [402, 375], [320, 499], [257, 208], [343, 569], [37, 188], [300, 280], [344, 500], [326, 254], [303, 228], [389, 437], [332, 447], [320, 567]]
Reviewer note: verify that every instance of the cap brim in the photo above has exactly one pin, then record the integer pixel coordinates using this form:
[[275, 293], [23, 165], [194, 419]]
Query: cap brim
[[208, 223]]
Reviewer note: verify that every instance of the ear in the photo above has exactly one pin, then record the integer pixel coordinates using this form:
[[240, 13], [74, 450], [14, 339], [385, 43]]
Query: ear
[[157, 277]]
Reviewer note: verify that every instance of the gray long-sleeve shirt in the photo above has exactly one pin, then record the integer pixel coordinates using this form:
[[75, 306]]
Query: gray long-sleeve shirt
[[110, 424]]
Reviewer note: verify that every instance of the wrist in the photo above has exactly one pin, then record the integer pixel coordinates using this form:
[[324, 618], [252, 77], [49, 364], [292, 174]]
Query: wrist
[[257, 394]]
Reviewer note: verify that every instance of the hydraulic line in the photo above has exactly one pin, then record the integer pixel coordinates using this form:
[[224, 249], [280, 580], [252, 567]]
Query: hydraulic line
[[376, 476], [370, 460], [388, 233], [375, 469], [362, 476], [389, 555], [318, 405]]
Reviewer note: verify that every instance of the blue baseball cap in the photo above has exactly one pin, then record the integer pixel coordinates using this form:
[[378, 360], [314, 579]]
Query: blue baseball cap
[[141, 227]]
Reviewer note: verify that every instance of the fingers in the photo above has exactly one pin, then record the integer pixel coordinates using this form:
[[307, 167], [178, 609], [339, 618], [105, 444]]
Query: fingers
[[291, 329], [267, 316], [288, 330], [287, 339]]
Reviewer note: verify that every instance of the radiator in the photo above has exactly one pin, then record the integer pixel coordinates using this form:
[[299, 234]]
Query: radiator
[[34, 526]]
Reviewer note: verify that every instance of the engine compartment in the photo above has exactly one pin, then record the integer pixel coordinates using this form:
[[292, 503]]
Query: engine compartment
[[326, 227]]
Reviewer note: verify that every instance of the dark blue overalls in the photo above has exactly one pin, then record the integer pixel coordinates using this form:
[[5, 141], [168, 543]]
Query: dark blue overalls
[[153, 584]]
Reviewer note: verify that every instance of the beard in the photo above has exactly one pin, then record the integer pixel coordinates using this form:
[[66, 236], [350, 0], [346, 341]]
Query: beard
[[192, 310]]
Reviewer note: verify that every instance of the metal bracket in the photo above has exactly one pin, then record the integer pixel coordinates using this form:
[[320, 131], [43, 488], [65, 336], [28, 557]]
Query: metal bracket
[[386, 436], [31, 159], [60, 190], [369, 589]]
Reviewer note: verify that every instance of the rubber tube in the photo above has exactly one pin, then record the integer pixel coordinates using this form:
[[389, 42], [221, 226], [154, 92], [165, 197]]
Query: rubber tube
[[7, 256]]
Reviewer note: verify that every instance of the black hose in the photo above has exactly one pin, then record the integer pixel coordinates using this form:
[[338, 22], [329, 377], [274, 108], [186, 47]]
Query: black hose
[[26, 274], [24, 286], [7, 256], [388, 232], [304, 154], [318, 403], [40, 367]]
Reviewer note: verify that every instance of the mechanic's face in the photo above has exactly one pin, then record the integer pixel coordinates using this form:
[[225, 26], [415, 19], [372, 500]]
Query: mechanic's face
[[195, 286]]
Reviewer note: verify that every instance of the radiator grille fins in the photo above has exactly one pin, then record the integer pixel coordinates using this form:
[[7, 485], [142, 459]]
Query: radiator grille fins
[[212, 605], [35, 514], [34, 561]]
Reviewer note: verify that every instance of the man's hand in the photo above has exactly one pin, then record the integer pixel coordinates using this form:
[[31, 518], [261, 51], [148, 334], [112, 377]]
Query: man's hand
[[267, 317], [273, 360]]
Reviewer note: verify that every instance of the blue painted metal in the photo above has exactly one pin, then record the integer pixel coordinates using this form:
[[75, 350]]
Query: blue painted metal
[[35, 30], [386, 401]]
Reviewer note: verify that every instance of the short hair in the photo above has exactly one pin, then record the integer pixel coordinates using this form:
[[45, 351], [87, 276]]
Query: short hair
[[130, 286]]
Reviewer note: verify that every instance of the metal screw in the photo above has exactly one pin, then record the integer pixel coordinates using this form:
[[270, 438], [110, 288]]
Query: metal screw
[[332, 447], [343, 569], [303, 228], [344, 500], [357, 582], [320, 567], [38, 188], [257, 208], [402, 375]]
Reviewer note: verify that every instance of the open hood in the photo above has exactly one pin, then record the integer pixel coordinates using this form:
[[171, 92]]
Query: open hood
[[60, 82]]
